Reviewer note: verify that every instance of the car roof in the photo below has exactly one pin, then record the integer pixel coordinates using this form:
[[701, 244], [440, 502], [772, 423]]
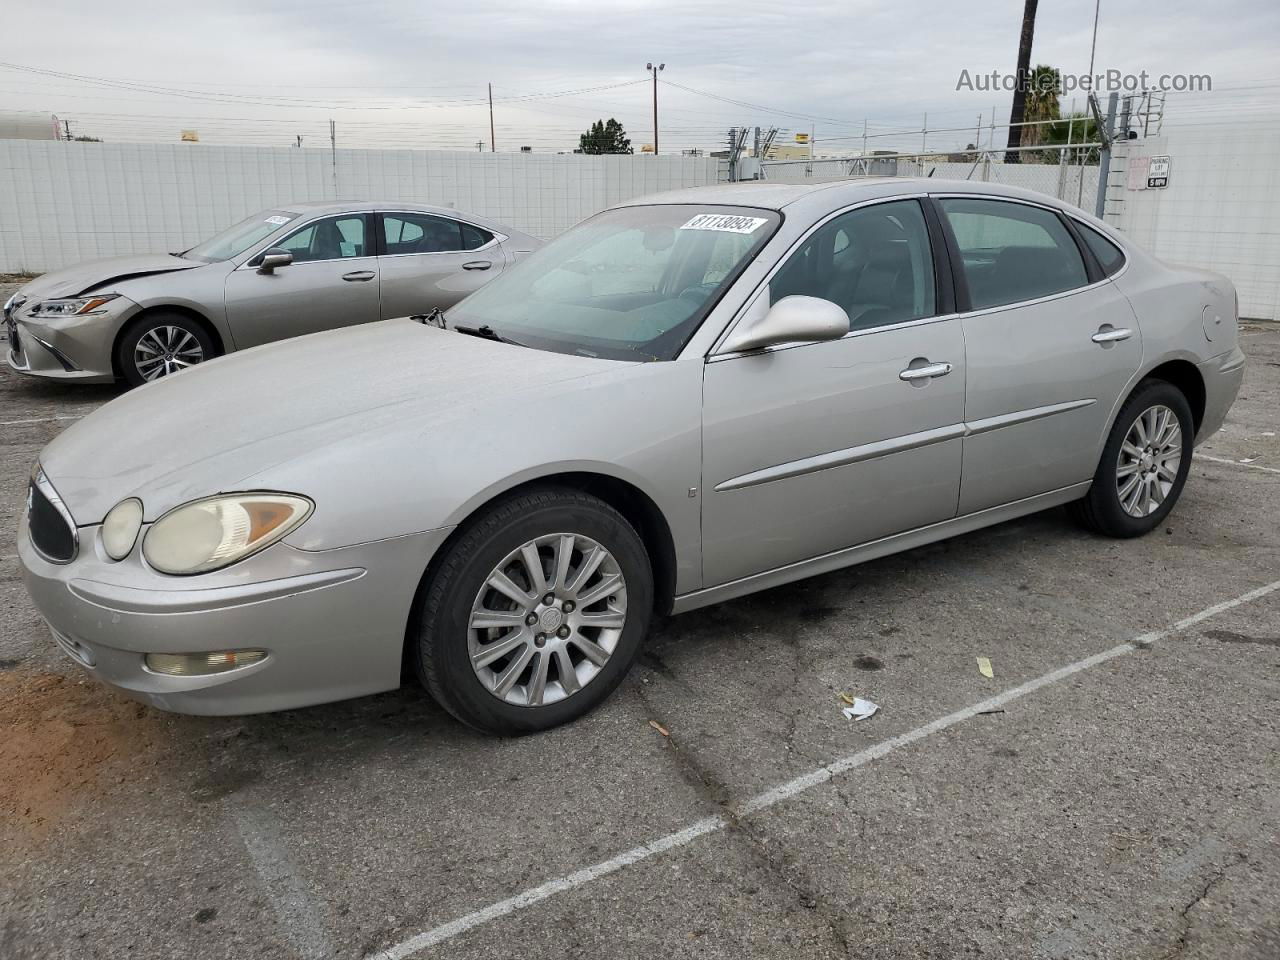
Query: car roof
[[359, 206], [837, 193], [311, 208]]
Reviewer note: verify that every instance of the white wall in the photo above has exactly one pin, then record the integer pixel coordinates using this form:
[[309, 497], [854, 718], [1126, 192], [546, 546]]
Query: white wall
[[61, 202], [1220, 211]]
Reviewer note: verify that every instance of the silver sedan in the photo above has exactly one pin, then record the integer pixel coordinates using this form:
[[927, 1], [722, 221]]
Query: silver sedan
[[683, 400], [280, 273]]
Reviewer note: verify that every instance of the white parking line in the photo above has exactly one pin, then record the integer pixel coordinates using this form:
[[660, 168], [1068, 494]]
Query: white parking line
[[1236, 463], [15, 423], [785, 791]]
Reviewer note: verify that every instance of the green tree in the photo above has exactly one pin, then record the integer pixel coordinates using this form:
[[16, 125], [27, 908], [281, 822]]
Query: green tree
[[1077, 127], [605, 137]]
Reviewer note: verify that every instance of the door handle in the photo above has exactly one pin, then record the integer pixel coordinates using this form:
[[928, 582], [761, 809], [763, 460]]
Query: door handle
[[927, 372], [478, 265], [1112, 335], [359, 276]]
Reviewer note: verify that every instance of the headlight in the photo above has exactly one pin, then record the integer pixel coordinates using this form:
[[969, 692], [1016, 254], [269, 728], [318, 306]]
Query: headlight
[[73, 307], [120, 528], [208, 534]]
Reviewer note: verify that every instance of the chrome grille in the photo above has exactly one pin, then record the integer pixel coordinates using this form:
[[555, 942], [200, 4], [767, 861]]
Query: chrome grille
[[52, 530]]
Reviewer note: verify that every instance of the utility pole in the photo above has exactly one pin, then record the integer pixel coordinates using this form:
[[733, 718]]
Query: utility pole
[[493, 143], [333, 155], [66, 129], [655, 71]]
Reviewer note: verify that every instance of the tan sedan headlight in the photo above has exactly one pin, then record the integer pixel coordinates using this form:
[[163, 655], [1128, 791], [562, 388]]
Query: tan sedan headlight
[[74, 306], [208, 534]]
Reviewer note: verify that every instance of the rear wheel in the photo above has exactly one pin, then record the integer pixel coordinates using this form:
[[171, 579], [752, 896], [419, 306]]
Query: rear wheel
[[535, 613], [1144, 465], [158, 345]]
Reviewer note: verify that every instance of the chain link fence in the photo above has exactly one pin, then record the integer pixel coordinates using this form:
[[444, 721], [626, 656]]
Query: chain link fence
[[1070, 178]]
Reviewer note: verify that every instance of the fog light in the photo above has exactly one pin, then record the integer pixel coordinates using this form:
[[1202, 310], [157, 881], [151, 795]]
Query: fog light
[[201, 664]]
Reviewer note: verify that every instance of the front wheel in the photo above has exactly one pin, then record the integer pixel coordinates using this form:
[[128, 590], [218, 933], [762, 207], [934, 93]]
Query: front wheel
[[1144, 465], [535, 614], [161, 344]]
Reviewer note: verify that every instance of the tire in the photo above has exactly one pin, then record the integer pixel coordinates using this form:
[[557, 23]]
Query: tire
[[459, 596], [1103, 510], [190, 341]]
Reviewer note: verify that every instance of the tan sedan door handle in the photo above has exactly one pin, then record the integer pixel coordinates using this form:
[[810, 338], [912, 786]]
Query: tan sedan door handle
[[927, 372], [478, 265], [1109, 334], [359, 276]]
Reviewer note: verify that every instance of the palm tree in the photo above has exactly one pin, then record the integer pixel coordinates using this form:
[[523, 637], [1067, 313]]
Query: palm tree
[[1041, 103], [1023, 74], [1078, 127]]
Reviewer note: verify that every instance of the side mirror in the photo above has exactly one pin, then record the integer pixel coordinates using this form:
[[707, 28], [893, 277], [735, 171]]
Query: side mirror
[[274, 257], [790, 320]]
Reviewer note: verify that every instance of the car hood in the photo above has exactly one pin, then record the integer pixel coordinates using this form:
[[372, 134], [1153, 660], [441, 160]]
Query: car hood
[[208, 429], [92, 274]]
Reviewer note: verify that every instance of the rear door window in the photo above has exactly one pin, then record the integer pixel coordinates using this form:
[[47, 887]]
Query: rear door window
[[424, 233], [1012, 252]]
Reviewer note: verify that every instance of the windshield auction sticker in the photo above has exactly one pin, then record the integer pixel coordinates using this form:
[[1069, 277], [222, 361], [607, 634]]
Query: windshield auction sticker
[[725, 223], [278, 221]]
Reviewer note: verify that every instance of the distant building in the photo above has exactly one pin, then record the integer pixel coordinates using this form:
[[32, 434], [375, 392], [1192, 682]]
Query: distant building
[[29, 125]]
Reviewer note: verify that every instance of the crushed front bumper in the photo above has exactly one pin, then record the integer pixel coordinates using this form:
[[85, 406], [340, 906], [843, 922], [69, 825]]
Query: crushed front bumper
[[71, 348]]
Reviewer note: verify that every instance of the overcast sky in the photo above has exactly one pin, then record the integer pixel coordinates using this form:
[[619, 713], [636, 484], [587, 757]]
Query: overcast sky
[[264, 71]]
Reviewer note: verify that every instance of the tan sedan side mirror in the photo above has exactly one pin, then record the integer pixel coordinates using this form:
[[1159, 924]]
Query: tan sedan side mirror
[[274, 257], [790, 320]]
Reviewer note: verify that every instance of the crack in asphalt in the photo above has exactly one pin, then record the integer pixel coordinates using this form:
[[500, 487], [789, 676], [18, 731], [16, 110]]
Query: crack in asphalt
[[771, 857], [1185, 921]]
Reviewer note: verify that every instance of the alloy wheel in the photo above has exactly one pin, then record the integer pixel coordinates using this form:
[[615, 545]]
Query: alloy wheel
[[164, 350], [547, 619], [1150, 456]]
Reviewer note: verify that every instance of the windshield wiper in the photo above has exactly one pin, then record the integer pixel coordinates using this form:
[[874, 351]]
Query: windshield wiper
[[486, 332]]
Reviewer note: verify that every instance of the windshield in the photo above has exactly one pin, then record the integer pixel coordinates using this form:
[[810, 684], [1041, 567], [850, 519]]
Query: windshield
[[629, 284], [236, 240]]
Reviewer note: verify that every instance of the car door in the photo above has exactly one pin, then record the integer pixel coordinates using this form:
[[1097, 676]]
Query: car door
[[1049, 346], [431, 261], [332, 282], [811, 448]]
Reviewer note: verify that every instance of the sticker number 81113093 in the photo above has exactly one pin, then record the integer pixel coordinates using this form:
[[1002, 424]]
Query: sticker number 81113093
[[724, 222]]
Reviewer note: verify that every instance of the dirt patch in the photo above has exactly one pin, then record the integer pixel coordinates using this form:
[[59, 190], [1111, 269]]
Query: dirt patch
[[65, 740]]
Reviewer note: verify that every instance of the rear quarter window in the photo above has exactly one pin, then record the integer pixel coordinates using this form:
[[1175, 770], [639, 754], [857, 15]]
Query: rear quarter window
[[1109, 256]]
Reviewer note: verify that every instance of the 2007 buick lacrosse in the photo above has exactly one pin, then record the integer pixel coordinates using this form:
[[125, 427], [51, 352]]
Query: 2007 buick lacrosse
[[682, 400]]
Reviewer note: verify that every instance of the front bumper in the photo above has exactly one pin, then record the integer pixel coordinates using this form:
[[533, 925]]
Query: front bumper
[[69, 348], [332, 622]]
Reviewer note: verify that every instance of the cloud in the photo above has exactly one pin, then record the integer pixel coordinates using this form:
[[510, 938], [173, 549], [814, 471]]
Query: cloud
[[267, 72]]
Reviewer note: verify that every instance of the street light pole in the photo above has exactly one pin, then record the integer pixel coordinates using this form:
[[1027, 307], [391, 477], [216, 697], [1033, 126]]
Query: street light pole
[[655, 70]]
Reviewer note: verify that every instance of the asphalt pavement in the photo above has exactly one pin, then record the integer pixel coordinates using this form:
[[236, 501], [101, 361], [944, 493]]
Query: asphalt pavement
[[1113, 790]]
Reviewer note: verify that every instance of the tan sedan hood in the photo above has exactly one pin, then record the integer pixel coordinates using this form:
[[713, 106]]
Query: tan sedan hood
[[207, 429], [93, 275]]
